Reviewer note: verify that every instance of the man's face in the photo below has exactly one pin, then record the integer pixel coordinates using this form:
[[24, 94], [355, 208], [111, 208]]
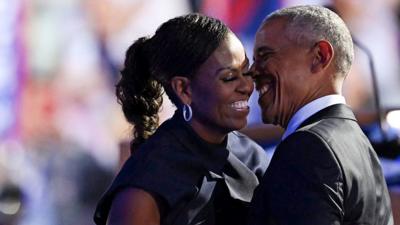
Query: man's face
[[282, 73]]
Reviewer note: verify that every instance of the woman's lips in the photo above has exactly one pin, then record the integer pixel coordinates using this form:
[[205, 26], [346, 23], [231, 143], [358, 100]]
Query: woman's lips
[[240, 105]]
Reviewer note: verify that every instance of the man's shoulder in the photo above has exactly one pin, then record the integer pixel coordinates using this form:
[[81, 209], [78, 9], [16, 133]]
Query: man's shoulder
[[330, 128], [337, 117], [313, 143], [341, 140]]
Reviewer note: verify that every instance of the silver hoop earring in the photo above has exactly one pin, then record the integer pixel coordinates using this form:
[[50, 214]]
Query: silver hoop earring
[[187, 112]]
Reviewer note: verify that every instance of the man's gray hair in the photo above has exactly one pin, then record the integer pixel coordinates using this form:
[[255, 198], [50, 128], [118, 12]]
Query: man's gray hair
[[309, 24]]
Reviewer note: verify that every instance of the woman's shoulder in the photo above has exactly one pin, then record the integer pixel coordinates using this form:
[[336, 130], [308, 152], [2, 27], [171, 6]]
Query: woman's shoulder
[[162, 156], [160, 166]]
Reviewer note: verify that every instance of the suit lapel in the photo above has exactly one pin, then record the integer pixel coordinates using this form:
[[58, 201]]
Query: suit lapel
[[340, 111]]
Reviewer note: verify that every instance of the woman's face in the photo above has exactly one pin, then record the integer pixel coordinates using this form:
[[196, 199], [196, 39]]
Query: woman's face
[[220, 91]]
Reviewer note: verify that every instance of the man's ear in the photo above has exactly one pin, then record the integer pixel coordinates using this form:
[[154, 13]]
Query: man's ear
[[323, 56], [181, 86]]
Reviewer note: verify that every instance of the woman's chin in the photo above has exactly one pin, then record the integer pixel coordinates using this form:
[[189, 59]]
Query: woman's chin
[[239, 125]]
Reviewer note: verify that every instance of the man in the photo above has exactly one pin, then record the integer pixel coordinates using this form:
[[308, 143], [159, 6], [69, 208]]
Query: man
[[325, 170]]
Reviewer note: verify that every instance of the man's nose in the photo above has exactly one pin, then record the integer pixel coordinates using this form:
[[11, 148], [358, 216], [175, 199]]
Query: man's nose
[[254, 73], [252, 69]]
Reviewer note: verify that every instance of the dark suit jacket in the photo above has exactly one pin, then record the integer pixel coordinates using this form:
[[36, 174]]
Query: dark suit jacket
[[324, 173]]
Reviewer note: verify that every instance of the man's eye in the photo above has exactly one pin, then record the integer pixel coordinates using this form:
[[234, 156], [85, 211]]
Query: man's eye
[[248, 73], [264, 56]]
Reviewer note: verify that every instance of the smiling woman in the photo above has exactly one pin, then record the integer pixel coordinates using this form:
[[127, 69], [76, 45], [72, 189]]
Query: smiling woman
[[222, 85], [195, 168]]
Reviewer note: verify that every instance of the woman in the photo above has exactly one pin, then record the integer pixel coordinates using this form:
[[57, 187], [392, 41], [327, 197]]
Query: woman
[[195, 168]]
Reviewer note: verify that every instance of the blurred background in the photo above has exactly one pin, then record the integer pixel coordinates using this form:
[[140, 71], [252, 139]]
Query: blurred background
[[62, 133]]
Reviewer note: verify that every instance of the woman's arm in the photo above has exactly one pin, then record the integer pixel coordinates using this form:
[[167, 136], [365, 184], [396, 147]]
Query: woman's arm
[[134, 206]]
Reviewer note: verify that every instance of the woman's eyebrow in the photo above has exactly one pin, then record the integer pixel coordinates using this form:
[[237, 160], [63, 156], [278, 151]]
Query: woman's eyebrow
[[244, 64]]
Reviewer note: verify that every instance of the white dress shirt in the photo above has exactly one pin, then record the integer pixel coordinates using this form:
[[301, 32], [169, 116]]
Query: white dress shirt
[[310, 109]]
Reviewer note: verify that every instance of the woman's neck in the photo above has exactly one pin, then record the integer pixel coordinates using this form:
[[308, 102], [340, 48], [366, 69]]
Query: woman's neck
[[213, 136]]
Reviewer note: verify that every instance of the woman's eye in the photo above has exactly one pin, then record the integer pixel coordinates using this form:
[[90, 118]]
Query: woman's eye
[[230, 75], [229, 78]]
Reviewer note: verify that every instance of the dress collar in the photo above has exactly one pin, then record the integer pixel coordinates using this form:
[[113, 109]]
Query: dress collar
[[213, 156], [218, 159]]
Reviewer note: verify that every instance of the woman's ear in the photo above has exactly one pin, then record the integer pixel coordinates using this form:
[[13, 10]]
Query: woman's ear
[[181, 86], [323, 56]]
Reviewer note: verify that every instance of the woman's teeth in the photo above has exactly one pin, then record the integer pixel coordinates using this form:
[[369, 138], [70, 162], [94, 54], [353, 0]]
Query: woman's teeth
[[240, 105]]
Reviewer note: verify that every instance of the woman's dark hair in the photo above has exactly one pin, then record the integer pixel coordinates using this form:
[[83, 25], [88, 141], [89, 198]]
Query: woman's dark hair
[[179, 47]]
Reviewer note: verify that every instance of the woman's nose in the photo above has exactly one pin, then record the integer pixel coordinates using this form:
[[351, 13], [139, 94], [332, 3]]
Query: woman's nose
[[246, 85]]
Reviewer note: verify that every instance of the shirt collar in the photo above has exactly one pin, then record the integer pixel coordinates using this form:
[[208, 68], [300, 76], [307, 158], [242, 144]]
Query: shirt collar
[[309, 109]]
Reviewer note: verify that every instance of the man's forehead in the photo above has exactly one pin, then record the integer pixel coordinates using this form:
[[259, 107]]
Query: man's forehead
[[268, 34], [274, 24]]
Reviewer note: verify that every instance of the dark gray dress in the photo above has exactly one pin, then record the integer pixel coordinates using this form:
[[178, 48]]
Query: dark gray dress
[[193, 182]]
